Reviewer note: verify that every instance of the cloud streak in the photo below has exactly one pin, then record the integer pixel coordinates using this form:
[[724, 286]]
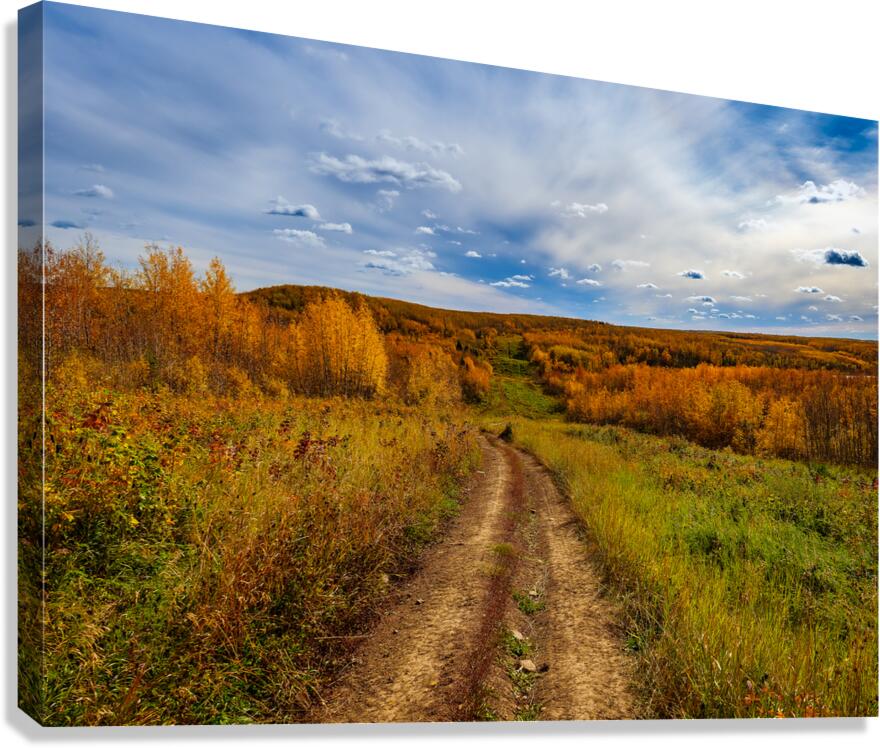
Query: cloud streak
[[302, 239], [358, 170]]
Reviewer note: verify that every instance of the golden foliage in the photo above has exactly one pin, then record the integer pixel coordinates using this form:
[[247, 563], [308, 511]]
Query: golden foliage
[[164, 326], [787, 413], [340, 351], [475, 377]]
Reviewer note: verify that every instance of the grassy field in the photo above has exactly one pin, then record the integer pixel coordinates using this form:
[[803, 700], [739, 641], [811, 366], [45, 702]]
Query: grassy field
[[513, 389], [208, 558], [750, 585]]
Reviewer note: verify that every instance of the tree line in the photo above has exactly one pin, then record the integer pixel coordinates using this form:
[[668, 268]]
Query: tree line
[[162, 325]]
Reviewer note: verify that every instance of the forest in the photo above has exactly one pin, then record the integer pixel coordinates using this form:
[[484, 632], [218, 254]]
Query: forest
[[232, 480]]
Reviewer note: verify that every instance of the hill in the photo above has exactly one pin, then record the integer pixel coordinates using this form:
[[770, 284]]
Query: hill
[[613, 343]]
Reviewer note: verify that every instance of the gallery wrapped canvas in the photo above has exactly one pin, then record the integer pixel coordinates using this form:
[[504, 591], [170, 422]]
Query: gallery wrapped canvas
[[360, 386]]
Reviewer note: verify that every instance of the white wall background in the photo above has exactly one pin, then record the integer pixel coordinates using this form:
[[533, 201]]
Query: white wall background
[[806, 54]]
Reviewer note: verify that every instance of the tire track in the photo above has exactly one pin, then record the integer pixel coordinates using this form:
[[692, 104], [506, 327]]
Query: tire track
[[415, 665], [435, 650]]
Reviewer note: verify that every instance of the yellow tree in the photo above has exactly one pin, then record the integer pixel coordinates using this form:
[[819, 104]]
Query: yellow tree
[[170, 305], [219, 306], [76, 291], [339, 350]]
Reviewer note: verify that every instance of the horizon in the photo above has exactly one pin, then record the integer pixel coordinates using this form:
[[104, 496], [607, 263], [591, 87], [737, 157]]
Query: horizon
[[468, 187]]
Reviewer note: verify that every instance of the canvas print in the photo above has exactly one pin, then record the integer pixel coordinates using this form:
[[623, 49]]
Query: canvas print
[[360, 386]]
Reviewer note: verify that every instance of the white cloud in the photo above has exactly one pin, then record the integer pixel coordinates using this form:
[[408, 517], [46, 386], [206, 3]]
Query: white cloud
[[808, 289], [588, 282], [594, 268], [744, 299], [627, 264], [302, 239], [580, 210], [412, 143], [281, 207], [425, 230], [400, 262], [428, 213], [96, 190], [511, 282], [472, 253], [358, 170], [344, 228], [561, 273], [647, 285], [705, 299], [732, 274], [834, 192], [753, 224], [832, 299]]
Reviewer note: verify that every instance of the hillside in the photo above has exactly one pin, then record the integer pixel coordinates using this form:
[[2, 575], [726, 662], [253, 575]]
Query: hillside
[[622, 344]]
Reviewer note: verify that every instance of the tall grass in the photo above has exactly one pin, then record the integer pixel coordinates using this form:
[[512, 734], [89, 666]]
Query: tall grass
[[207, 559], [750, 585]]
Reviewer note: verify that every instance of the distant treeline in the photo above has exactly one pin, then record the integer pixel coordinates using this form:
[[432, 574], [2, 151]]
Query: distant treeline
[[796, 413], [596, 345]]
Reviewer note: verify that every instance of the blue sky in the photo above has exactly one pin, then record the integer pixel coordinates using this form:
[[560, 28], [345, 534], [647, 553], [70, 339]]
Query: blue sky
[[454, 184]]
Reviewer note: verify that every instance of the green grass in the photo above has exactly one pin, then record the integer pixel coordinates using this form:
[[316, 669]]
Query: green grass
[[750, 585], [523, 682], [514, 389], [527, 604]]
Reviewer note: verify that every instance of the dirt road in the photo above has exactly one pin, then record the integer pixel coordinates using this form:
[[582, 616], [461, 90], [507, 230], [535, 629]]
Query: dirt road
[[504, 620]]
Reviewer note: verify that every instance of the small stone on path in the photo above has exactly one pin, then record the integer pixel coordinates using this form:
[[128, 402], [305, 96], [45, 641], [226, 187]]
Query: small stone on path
[[528, 666]]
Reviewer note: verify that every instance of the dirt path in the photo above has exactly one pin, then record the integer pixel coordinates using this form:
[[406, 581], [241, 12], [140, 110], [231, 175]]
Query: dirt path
[[589, 675], [435, 652]]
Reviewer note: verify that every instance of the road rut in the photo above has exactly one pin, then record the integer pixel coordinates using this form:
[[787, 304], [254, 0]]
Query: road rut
[[420, 661]]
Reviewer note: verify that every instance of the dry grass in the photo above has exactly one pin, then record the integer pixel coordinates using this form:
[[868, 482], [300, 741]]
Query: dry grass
[[207, 558]]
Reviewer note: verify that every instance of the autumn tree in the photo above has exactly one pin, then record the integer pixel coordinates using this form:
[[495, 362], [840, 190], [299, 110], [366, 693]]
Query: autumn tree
[[76, 295], [475, 377], [339, 350], [219, 304]]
